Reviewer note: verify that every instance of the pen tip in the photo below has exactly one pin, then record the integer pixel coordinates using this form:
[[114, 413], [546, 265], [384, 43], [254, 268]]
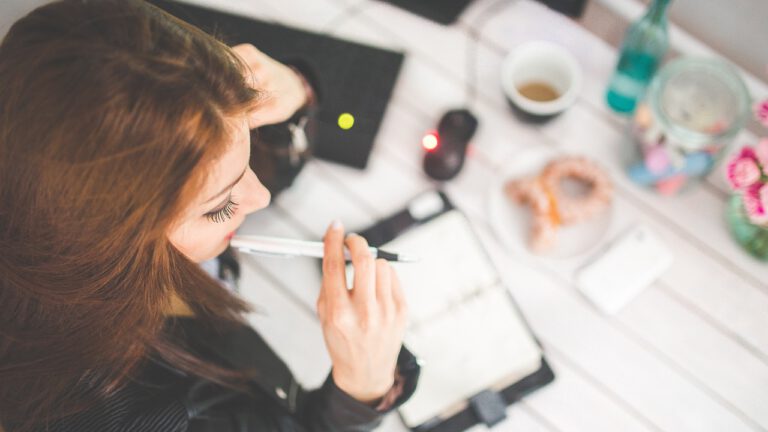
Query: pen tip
[[407, 258]]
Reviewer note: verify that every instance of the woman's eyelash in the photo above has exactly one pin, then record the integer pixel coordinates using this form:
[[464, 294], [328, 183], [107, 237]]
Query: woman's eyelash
[[223, 214]]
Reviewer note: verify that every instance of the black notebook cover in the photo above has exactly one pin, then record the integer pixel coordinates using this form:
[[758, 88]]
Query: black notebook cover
[[349, 77]]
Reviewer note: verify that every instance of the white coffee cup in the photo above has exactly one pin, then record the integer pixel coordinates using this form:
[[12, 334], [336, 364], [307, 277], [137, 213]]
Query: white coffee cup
[[546, 63]]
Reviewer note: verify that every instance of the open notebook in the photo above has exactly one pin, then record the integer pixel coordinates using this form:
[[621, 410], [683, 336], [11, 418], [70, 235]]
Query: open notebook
[[464, 325]]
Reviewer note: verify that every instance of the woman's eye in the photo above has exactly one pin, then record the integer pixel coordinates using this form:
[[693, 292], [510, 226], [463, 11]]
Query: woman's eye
[[223, 214]]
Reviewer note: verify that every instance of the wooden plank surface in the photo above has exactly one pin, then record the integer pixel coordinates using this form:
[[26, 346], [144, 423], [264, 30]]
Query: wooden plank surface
[[689, 354]]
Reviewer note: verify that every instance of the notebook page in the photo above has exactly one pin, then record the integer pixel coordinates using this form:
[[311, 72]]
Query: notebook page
[[451, 264], [463, 324]]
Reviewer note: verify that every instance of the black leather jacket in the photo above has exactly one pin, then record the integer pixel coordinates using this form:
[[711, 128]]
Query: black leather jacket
[[162, 398]]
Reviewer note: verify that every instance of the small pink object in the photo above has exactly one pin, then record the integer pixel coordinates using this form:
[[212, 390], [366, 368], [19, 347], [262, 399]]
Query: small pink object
[[670, 186], [756, 203], [743, 172], [761, 112], [657, 160]]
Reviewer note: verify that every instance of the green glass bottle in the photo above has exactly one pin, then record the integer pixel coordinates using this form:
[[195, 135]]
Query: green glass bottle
[[642, 51]]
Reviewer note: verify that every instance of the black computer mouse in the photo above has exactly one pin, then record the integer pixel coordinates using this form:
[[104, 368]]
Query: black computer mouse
[[445, 156]]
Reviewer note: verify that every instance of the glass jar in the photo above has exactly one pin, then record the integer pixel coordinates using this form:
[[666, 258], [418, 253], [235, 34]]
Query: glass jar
[[752, 237], [693, 109]]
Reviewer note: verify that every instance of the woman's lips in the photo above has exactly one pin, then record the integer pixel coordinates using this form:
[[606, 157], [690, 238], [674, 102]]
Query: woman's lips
[[230, 235]]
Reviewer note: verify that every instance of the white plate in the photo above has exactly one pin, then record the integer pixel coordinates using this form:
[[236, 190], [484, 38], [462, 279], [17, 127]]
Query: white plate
[[512, 221]]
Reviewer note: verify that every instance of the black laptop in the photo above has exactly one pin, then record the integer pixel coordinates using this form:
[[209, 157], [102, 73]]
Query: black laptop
[[349, 77]]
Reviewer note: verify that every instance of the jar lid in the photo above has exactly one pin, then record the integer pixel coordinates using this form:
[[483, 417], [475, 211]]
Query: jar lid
[[699, 101]]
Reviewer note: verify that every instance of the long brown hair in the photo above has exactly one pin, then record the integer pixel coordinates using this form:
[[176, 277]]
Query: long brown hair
[[109, 113]]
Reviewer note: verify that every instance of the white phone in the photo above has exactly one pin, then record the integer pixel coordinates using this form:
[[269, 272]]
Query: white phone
[[618, 274]]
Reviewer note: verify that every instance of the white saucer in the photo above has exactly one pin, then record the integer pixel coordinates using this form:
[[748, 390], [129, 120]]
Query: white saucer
[[512, 221]]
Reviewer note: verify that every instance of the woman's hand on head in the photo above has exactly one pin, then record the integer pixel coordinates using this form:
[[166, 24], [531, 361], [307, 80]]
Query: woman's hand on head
[[363, 327], [283, 88]]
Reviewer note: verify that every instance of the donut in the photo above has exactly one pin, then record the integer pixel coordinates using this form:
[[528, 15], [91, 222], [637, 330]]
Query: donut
[[544, 218], [551, 206], [575, 209]]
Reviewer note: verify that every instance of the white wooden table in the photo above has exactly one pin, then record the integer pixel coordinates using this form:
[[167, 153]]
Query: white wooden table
[[689, 354]]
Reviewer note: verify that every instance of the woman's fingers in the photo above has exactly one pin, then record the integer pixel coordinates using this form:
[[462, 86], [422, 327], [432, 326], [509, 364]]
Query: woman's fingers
[[364, 288], [334, 276], [384, 286], [401, 306], [283, 91], [251, 56], [249, 53], [364, 331], [320, 307]]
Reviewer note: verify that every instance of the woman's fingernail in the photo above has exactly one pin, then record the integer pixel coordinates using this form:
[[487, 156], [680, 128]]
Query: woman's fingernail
[[336, 224]]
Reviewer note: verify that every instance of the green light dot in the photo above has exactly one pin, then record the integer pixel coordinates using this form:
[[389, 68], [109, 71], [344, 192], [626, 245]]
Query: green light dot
[[346, 121]]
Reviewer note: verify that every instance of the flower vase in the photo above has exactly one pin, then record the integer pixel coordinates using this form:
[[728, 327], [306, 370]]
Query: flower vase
[[752, 237]]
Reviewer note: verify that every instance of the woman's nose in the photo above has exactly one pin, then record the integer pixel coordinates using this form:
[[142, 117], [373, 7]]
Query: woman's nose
[[256, 194]]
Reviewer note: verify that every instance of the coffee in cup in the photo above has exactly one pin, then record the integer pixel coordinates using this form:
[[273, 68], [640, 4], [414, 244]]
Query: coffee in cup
[[540, 80]]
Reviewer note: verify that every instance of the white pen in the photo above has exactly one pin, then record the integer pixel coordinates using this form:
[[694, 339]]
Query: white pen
[[287, 248]]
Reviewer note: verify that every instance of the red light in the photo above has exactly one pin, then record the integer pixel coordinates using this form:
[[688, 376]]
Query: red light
[[430, 141]]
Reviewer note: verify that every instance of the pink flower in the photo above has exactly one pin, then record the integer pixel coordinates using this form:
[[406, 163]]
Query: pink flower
[[756, 203], [761, 153], [743, 170], [761, 112]]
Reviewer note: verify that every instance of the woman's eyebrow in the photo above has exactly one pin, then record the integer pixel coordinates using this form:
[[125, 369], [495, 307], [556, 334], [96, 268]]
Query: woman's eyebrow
[[228, 186]]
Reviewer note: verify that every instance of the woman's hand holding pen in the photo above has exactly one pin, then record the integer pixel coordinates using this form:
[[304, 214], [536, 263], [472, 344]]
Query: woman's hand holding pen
[[363, 327]]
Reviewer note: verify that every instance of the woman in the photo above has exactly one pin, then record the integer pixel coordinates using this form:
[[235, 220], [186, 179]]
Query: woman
[[124, 148]]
